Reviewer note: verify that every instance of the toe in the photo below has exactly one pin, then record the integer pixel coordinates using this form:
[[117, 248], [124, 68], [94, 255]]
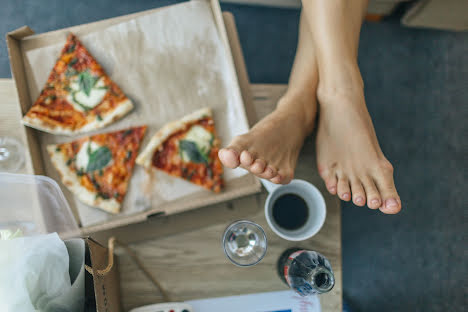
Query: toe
[[384, 180], [344, 191], [286, 178], [276, 179], [359, 196], [392, 205], [229, 157], [372, 194], [268, 174], [329, 177], [246, 159], [283, 177], [258, 166]]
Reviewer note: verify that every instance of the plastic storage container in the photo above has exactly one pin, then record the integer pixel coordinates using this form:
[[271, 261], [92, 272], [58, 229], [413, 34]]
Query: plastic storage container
[[33, 204]]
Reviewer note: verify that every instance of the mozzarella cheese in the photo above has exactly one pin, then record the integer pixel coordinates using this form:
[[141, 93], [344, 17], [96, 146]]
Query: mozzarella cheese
[[80, 100], [82, 158], [201, 137]]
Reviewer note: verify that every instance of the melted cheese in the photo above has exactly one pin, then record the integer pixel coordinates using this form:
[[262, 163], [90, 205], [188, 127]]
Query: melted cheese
[[82, 158], [81, 101], [201, 137]]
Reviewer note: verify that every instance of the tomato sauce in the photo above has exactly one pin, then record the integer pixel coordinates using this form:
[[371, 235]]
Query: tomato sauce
[[111, 181]]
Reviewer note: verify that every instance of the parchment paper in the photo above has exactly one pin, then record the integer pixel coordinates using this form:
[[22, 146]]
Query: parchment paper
[[169, 63]]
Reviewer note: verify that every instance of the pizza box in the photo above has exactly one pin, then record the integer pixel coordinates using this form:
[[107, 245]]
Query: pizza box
[[23, 39]]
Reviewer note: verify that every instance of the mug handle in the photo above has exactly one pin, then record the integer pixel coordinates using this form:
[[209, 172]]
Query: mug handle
[[270, 186]]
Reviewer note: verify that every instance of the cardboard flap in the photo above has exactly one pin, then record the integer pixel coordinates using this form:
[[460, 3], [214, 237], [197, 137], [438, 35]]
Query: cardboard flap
[[13, 40], [241, 68], [16, 64], [106, 287], [20, 33]]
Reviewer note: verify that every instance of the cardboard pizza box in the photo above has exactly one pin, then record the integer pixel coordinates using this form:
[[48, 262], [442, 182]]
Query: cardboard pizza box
[[243, 186]]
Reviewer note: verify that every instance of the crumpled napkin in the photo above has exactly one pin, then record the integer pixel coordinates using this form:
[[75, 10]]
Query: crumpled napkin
[[34, 271]]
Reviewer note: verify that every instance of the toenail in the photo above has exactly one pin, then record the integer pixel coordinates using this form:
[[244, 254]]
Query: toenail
[[345, 196], [359, 200], [246, 158], [225, 150], [391, 203], [276, 179], [375, 202], [332, 188]]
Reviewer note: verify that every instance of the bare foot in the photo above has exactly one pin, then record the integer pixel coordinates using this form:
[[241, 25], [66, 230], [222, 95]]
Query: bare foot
[[349, 157], [271, 148]]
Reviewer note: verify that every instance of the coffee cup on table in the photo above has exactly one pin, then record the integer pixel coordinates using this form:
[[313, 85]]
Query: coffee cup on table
[[294, 211]]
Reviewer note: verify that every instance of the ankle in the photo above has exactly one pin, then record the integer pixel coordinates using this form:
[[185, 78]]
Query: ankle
[[342, 74], [340, 84]]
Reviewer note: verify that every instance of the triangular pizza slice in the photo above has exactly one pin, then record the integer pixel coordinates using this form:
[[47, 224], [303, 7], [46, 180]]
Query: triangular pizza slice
[[78, 95], [97, 169], [188, 149]]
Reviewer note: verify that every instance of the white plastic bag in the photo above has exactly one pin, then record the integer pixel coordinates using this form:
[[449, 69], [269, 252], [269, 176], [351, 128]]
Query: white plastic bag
[[34, 272]]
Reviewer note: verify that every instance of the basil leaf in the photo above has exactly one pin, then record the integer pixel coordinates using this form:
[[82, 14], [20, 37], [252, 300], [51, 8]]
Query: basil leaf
[[73, 62], [71, 48], [192, 151], [129, 155], [126, 133], [96, 185], [99, 159], [189, 177], [102, 195], [70, 72], [86, 82]]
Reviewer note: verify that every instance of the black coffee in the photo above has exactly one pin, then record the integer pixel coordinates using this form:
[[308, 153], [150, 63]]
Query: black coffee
[[290, 211]]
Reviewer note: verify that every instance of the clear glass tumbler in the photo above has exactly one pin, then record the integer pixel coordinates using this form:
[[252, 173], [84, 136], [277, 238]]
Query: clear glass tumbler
[[11, 155], [244, 243]]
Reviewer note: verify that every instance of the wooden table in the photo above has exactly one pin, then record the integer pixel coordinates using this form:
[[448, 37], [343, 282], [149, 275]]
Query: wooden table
[[187, 257]]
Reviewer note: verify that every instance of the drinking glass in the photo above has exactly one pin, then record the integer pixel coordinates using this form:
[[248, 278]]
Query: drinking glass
[[11, 155], [244, 243]]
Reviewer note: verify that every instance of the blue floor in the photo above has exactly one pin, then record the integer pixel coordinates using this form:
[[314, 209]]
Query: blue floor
[[417, 93]]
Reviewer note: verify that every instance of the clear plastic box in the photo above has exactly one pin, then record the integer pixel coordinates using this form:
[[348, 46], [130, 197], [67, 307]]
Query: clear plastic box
[[34, 204]]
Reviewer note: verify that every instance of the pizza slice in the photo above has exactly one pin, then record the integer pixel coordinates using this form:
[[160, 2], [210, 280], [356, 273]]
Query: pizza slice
[[97, 169], [78, 95], [188, 149]]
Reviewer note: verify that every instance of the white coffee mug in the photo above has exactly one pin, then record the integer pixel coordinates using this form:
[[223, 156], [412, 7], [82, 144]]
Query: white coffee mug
[[313, 199]]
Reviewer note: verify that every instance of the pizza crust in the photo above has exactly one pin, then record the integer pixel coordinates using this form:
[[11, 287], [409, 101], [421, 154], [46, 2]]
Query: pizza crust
[[145, 157], [72, 182], [119, 111]]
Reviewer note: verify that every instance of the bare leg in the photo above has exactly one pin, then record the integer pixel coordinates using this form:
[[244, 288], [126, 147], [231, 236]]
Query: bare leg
[[348, 154], [271, 148]]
